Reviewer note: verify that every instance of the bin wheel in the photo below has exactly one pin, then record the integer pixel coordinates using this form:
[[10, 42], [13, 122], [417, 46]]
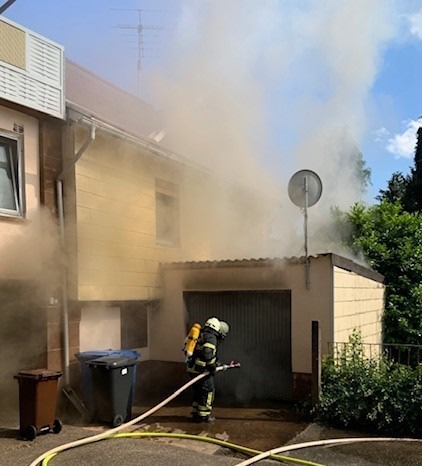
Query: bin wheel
[[117, 420], [57, 426], [30, 432]]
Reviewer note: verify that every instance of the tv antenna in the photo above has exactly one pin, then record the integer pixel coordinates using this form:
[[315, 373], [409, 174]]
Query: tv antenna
[[5, 6], [305, 189], [140, 28]]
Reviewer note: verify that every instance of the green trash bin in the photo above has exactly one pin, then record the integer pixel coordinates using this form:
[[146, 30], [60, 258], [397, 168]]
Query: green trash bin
[[37, 402], [112, 379]]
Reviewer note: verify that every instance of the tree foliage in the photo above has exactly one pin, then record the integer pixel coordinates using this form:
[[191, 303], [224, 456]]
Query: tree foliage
[[391, 241], [363, 172], [407, 189], [396, 189]]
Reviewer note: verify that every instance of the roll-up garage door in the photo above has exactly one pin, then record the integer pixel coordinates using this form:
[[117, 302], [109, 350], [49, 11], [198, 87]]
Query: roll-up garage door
[[260, 339]]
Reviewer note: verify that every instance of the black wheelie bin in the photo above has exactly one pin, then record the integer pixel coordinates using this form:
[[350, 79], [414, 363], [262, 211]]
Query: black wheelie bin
[[112, 379], [37, 402], [86, 375]]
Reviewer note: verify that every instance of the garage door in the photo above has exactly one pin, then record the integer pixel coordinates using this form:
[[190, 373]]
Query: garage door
[[260, 338]]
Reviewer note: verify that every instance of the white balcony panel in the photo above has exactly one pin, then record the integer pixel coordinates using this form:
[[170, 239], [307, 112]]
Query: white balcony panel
[[38, 81]]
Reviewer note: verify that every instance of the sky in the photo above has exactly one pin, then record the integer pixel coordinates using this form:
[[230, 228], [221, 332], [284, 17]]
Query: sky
[[286, 84]]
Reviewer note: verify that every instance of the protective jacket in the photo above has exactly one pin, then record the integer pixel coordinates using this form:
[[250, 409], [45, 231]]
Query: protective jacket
[[204, 357]]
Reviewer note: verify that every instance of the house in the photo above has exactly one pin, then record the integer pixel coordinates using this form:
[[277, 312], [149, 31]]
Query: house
[[31, 97], [116, 242]]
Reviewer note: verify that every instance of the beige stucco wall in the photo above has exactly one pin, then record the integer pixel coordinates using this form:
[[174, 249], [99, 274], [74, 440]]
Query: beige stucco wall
[[168, 323], [23, 335], [20, 238], [358, 304], [118, 257]]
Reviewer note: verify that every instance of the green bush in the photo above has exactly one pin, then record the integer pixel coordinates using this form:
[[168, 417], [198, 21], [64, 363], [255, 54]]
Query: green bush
[[375, 395]]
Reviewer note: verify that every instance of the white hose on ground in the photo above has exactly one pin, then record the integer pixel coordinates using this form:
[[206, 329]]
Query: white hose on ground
[[239, 448], [97, 437], [318, 443]]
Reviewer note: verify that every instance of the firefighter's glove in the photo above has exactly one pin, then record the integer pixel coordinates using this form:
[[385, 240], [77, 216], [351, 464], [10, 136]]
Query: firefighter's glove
[[212, 368]]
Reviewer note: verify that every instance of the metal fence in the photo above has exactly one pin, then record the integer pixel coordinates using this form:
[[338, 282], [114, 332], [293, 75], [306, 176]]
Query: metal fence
[[406, 354]]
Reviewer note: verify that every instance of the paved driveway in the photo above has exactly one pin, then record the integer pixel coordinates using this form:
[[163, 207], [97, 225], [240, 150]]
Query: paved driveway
[[257, 428]]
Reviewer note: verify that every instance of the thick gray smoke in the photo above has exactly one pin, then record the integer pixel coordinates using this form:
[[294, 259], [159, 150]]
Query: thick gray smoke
[[259, 90]]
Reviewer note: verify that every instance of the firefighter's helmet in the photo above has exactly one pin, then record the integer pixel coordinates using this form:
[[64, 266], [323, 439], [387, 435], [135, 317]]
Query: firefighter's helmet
[[214, 323], [224, 329]]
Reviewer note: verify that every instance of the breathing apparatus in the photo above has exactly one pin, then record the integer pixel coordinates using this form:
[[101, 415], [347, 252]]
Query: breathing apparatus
[[221, 327], [191, 340]]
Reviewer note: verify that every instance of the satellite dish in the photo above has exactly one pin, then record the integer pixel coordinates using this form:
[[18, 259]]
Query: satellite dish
[[305, 183], [305, 189]]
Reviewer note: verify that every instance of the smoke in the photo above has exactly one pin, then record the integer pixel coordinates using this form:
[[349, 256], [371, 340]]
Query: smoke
[[258, 90], [31, 250], [29, 269]]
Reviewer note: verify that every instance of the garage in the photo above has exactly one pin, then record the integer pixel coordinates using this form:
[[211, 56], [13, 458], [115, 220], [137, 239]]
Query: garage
[[270, 308]]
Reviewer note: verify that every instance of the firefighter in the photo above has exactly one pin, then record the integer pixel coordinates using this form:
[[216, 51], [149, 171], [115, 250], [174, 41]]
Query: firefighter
[[204, 358]]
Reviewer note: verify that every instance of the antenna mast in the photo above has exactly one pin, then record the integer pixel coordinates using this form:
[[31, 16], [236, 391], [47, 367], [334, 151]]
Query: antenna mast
[[140, 28], [304, 190]]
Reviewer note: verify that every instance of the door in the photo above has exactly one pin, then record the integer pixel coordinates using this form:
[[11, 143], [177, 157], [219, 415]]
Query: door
[[259, 338]]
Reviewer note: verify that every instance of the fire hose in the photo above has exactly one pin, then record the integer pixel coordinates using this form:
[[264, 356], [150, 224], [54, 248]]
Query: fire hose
[[103, 435], [45, 457], [317, 443], [272, 454]]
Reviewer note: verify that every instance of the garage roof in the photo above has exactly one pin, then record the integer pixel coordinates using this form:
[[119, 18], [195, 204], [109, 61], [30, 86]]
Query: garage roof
[[336, 260]]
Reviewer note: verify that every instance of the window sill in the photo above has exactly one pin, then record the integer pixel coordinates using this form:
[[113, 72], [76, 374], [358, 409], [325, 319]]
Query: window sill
[[13, 218], [168, 244]]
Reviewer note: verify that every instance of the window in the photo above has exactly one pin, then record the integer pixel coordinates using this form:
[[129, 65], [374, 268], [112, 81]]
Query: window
[[11, 183], [167, 212]]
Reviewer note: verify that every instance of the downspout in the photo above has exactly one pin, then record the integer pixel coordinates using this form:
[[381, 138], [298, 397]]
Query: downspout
[[60, 209]]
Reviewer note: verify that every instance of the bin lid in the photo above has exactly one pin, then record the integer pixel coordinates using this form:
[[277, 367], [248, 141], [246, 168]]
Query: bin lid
[[40, 374], [94, 354], [111, 362]]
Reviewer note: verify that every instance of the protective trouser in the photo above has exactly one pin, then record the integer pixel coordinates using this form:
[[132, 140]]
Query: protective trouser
[[203, 397]]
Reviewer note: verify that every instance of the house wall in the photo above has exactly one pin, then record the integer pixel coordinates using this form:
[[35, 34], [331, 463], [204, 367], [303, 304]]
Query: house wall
[[22, 310], [112, 254], [358, 303], [118, 257]]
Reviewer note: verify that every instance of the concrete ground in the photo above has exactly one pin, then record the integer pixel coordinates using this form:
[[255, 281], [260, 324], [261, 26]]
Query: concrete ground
[[258, 428]]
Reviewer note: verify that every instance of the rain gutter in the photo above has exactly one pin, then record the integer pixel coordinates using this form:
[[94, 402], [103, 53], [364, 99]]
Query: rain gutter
[[81, 115]]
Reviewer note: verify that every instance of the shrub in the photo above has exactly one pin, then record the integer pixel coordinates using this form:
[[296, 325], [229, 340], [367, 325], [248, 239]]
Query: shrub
[[370, 394]]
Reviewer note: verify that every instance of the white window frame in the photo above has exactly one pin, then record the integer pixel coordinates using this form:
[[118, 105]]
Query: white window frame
[[13, 166], [167, 193]]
